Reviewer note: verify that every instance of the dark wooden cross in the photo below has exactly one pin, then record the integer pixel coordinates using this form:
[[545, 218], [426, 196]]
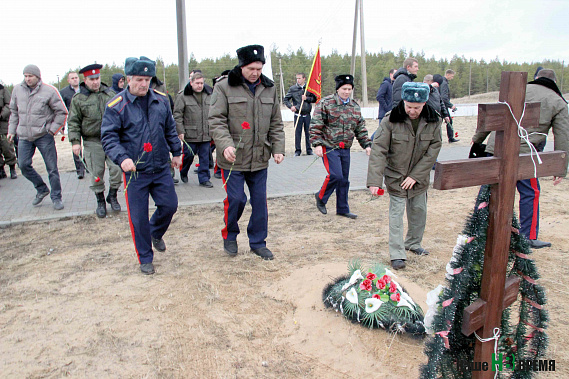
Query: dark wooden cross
[[501, 171]]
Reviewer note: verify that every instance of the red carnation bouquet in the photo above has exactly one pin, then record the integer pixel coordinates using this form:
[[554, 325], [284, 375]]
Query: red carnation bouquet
[[147, 148]]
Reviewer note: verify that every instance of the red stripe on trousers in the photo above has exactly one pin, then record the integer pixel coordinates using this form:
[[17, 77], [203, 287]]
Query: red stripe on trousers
[[327, 167], [533, 227], [225, 207], [129, 220]]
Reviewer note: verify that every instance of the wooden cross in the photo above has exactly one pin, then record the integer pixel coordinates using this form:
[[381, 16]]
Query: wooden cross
[[501, 171]]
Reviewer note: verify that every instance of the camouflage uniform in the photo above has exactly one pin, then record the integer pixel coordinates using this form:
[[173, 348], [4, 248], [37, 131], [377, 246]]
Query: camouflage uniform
[[336, 122]]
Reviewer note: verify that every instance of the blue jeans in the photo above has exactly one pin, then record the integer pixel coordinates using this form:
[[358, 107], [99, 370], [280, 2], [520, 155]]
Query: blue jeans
[[46, 146]]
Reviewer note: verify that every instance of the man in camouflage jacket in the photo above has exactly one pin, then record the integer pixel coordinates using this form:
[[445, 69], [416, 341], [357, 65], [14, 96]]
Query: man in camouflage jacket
[[337, 120]]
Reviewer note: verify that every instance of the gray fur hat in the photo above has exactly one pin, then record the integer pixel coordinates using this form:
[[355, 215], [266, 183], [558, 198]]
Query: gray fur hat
[[32, 69], [139, 67], [415, 92]]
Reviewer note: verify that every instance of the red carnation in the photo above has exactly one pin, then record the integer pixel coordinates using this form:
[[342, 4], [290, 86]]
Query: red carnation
[[245, 125], [147, 147], [386, 278], [371, 276], [380, 192], [376, 296], [456, 134], [197, 165], [366, 285], [63, 138], [97, 179], [342, 145], [380, 284], [392, 288], [395, 297]]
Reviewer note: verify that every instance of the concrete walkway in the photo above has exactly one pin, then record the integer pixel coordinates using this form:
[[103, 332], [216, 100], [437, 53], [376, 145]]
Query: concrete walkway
[[284, 180]]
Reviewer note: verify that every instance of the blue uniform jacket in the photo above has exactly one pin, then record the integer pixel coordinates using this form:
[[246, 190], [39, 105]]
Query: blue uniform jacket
[[125, 130]]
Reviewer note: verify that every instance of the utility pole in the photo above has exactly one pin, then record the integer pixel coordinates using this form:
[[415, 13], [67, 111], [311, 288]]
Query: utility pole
[[353, 65], [363, 54], [59, 87], [486, 78], [183, 72], [470, 77], [562, 69], [282, 80]]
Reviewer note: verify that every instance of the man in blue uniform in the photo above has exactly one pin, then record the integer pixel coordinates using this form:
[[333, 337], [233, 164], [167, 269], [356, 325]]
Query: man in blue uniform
[[138, 133]]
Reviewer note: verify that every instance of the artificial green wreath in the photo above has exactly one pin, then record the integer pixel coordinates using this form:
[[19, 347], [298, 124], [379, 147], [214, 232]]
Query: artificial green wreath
[[374, 299]]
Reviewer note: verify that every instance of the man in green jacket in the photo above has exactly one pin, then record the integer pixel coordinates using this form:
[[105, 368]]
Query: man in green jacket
[[85, 118], [191, 110], [7, 154], [404, 150], [246, 125]]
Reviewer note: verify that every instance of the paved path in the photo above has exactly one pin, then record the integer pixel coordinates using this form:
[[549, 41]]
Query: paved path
[[284, 180]]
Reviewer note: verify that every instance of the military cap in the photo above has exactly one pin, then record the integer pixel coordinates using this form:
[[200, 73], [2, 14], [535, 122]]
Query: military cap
[[91, 71], [250, 54], [344, 79], [415, 92], [142, 66]]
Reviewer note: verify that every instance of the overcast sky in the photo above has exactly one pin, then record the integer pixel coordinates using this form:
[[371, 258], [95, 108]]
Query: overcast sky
[[57, 35]]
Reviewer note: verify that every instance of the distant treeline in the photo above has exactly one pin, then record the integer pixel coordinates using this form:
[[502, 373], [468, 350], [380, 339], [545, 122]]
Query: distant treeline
[[485, 75]]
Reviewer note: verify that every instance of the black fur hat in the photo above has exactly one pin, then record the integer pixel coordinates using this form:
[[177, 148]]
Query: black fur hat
[[250, 54], [344, 79]]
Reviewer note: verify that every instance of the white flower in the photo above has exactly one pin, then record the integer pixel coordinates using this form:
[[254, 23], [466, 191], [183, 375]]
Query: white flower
[[352, 296], [432, 301], [404, 303], [404, 294], [357, 275], [373, 305]]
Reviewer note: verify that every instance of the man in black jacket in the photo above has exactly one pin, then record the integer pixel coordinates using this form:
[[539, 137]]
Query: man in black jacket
[[293, 100], [445, 95], [405, 74], [435, 99], [67, 94]]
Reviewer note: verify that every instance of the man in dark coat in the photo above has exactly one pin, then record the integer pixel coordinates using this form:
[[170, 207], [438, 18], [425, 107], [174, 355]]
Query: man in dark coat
[[435, 100], [405, 74], [67, 94], [384, 97], [118, 82], [139, 133], [293, 100], [445, 95]]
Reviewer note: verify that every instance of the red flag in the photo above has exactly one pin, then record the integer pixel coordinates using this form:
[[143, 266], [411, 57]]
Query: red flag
[[315, 78]]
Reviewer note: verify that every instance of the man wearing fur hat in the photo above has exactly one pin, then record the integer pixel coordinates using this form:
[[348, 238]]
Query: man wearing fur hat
[[139, 133], [37, 115], [246, 125], [405, 148], [553, 116], [337, 121], [85, 117]]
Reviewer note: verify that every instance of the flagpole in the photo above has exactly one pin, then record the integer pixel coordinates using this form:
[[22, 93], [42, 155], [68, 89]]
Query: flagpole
[[306, 86]]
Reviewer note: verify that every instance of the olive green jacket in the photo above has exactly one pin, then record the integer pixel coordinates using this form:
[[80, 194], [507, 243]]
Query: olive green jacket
[[4, 109], [190, 116], [553, 114], [398, 152], [232, 104], [86, 113]]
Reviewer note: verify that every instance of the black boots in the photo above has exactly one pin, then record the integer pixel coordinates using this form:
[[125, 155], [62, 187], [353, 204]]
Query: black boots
[[13, 174], [112, 199], [101, 210], [2, 173]]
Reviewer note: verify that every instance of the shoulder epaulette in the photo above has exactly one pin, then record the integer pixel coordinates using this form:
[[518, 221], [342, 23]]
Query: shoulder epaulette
[[114, 102], [161, 93]]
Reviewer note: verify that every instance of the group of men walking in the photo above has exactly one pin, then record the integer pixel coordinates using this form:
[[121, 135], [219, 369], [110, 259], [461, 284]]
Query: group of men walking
[[139, 134]]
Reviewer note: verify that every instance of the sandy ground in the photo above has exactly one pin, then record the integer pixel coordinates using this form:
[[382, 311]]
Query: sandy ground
[[73, 301]]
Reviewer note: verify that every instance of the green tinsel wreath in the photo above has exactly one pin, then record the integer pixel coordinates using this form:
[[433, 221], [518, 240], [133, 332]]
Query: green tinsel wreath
[[463, 287], [374, 299]]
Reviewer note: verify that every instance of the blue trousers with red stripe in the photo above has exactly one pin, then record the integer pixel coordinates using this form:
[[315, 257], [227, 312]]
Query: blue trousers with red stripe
[[161, 187], [202, 149], [235, 202], [337, 164], [529, 207]]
